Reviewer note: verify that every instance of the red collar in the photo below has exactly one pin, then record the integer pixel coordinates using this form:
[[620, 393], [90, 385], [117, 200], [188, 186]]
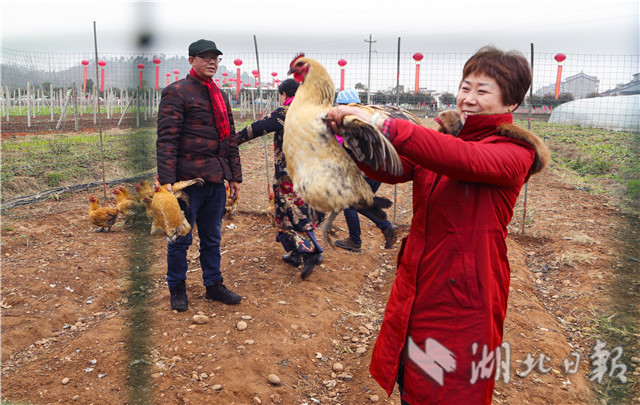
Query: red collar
[[477, 127]]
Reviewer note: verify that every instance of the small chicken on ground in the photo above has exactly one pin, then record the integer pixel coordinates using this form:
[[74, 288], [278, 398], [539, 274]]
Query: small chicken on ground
[[102, 217], [128, 206]]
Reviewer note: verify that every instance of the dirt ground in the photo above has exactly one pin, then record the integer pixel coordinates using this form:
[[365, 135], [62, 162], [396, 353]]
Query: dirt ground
[[86, 317]]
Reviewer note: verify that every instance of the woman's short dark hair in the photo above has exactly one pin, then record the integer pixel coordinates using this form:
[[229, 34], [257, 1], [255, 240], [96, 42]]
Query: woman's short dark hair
[[509, 69], [288, 87]]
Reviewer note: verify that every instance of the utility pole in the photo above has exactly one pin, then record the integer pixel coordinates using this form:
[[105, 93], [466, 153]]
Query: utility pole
[[369, 79]]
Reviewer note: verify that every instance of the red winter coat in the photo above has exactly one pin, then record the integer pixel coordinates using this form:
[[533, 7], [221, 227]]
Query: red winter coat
[[453, 276]]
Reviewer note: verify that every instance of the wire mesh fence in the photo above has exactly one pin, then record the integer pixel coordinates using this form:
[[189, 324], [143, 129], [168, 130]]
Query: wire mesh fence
[[55, 105]]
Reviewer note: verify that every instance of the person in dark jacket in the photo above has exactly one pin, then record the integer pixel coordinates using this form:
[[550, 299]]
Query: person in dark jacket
[[294, 222], [449, 298], [196, 139]]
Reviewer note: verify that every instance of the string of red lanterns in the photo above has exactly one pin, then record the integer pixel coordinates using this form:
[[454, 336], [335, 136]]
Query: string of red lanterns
[[102, 65], [85, 63], [560, 57], [140, 68], [342, 63], [238, 62], [156, 62], [417, 57]]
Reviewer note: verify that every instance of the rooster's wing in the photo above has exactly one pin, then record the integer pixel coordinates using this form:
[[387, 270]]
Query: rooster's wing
[[368, 144]]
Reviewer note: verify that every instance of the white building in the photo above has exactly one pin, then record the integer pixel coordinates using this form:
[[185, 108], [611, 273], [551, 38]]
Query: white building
[[580, 85]]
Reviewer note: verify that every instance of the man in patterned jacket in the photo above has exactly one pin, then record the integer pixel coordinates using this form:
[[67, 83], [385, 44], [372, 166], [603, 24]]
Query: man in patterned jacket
[[196, 139]]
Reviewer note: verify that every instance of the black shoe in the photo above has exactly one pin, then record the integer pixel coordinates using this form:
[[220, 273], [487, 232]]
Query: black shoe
[[179, 301], [218, 292], [310, 261], [390, 236], [348, 244], [293, 258]]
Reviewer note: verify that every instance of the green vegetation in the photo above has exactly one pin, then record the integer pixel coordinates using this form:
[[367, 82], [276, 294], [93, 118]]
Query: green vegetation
[[603, 327], [85, 109], [608, 161], [602, 161], [34, 163]]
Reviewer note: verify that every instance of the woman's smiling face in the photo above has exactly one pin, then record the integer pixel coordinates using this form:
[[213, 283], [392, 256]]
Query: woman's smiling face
[[479, 93]]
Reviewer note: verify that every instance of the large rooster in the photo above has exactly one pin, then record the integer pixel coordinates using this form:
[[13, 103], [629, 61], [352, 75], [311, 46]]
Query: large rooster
[[323, 173]]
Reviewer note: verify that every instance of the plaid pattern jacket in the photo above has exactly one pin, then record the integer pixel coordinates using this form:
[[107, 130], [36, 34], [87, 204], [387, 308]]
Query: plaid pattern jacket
[[188, 144]]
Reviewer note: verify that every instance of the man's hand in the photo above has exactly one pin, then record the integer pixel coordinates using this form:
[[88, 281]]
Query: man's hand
[[234, 190], [169, 187]]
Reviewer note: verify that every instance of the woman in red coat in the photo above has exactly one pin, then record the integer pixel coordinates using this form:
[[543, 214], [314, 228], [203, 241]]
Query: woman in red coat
[[449, 298]]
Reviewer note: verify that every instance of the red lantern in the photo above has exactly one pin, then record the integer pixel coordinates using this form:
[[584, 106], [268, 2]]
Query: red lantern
[[156, 62], [238, 62], [256, 75], [342, 63], [417, 57], [85, 63], [274, 74], [102, 65], [140, 68], [168, 74], [224, 78], [176, 72], [560, 57]]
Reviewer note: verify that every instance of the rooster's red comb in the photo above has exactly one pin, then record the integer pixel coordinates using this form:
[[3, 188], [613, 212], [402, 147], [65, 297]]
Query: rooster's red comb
[[298, 56]]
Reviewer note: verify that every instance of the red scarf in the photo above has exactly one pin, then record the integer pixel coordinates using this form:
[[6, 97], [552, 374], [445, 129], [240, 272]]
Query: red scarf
[[288, 101], [220, 115]]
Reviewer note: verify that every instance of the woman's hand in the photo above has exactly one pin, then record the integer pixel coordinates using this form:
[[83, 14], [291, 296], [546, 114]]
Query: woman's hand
[[337, 114]]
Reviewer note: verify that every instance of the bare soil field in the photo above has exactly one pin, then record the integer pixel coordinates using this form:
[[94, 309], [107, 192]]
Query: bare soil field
[[86, 317]]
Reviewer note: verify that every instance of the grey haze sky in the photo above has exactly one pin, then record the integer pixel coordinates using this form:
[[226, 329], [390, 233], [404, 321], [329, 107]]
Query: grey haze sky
[[598, 27]]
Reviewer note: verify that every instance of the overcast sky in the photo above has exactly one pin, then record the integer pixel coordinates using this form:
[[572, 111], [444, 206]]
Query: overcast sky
[[602, 27]]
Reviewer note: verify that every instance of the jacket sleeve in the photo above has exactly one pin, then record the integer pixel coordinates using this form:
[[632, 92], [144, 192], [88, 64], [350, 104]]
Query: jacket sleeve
[[270, 123], [497, 160], [234, 153], [170, 121], [383, 176]]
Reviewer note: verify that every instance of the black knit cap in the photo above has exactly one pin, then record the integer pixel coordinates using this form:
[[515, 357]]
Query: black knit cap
[[202, 46], [288, 87]]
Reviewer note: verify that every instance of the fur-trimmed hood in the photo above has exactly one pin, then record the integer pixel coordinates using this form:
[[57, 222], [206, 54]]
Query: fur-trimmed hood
[[543, 155], [450, 123]]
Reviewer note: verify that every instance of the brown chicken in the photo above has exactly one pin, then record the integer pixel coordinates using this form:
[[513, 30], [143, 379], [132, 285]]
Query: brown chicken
[[125, 192], [143, 189], [102, 217], [148, 210], [323, 173], [271, 209], [168, 217], [231, 206], [128, 206]]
